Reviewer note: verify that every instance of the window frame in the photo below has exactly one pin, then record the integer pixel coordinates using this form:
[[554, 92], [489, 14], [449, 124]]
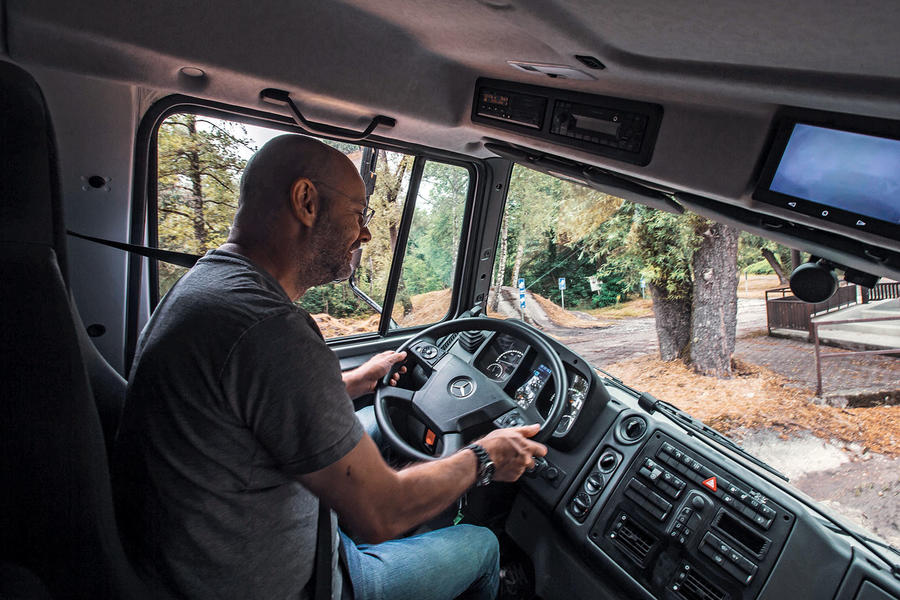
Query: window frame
[[144, 216]]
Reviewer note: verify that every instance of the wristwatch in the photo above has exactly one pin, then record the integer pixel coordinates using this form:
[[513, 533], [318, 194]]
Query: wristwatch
[[485, 465]]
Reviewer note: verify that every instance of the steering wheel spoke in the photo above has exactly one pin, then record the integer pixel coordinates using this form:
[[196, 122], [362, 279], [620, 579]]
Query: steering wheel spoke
[[452, 442], [399, 395]]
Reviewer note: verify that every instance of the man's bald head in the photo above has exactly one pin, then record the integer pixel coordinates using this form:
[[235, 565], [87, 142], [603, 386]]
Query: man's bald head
[[300, 213], [270, 173]]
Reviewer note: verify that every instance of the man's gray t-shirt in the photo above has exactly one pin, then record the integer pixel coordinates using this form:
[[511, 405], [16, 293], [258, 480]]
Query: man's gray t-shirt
[[233, 394]]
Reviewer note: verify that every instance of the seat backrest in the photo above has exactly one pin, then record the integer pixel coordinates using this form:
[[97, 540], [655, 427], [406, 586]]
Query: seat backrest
[[56, 511]]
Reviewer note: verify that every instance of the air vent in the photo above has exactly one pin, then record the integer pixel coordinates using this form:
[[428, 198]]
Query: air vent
[[634, 539], [691, 585], [448, 340], [632, 429], [470, 340]]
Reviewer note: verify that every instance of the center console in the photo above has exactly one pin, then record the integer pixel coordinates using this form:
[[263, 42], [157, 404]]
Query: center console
[[683, 527]]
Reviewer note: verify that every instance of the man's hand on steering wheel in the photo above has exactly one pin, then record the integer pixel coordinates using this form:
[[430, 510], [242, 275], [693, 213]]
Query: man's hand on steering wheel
[[362, 379], [511, 450]]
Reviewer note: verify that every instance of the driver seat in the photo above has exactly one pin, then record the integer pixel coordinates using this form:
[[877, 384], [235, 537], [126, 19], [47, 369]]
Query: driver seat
[[57, 523]]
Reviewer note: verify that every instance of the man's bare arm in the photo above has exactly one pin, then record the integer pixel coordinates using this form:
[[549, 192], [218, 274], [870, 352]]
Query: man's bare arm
[[380, 503]]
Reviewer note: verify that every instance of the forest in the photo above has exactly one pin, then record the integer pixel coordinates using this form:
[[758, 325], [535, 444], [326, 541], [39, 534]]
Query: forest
[[551, 228]]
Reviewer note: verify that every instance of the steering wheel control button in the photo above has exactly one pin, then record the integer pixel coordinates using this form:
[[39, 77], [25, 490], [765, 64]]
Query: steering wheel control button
[[461, 387], [540, 463], [427, 351]]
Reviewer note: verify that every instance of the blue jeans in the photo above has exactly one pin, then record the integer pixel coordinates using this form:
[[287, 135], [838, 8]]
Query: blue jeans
[[460, 561]]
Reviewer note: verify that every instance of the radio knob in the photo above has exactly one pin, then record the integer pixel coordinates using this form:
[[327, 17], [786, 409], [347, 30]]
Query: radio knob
[[698, 503]]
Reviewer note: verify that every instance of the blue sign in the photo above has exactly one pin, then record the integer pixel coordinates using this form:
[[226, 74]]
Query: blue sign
[[562, 283], [522, 304], [521, 295], [522, 283]]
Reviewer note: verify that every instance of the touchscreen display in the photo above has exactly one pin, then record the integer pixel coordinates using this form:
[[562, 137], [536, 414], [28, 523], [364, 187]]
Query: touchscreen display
[[844, 170]]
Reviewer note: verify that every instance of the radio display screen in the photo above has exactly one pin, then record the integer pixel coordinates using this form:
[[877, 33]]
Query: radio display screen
[[597, 125], [494, 99]]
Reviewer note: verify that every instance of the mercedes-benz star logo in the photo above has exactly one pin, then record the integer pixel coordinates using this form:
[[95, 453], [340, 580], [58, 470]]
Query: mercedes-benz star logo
[[462, 387]]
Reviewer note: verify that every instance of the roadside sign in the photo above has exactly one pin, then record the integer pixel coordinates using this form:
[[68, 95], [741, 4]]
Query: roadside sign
[[562, 283], [522, 304], [521, 283], [595, 285]]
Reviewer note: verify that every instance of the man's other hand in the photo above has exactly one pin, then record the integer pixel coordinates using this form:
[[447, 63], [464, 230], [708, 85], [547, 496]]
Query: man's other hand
[[512, 451], [362, 379]]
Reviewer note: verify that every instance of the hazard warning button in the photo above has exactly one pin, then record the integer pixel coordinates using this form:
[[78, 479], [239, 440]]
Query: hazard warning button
[[711, 484]]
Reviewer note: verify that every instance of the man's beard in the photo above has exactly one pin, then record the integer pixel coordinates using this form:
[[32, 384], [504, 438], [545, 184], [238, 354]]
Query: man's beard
[[329, 263]]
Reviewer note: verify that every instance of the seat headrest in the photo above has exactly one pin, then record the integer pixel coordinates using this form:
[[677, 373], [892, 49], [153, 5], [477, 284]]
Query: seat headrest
[[30, 207]]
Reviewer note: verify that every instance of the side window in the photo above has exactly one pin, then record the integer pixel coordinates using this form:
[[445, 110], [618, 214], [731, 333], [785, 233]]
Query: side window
[[200, 161], [429, 263]]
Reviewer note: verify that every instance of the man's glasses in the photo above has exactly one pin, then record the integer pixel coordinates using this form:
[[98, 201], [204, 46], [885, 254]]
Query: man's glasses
[[366, 214]]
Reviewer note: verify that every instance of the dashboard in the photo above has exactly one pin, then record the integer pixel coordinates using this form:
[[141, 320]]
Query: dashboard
[[629, 504], [505, 359]]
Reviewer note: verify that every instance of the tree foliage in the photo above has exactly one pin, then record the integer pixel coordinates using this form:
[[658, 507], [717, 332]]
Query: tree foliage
[[200, 161]]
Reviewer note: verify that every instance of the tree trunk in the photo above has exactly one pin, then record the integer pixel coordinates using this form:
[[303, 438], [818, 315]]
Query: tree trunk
[[714, 310], [673, 323], [517, 265], [494, 303], [776, 266], [796, 259], [194, 175]]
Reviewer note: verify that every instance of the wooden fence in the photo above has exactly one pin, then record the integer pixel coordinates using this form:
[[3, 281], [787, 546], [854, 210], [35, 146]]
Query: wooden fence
[[881, 291], [786, 311]]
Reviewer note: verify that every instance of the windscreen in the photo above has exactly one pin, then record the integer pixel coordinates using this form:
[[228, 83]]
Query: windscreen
[[849, 171]]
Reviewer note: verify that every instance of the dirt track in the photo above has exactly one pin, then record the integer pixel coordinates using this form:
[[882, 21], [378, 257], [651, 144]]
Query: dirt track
[[627, 338]]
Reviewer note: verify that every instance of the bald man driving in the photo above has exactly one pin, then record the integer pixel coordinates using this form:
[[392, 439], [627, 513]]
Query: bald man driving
[[238, 421]]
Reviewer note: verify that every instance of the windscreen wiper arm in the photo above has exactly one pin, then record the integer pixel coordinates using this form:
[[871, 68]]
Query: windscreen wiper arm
[[698, 426]]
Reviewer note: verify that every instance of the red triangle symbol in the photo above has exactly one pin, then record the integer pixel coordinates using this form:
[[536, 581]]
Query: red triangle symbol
[[711, 483]]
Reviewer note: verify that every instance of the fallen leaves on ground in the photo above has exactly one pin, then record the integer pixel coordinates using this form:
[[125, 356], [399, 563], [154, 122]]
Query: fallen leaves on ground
[[641, 307], [565, 318], [756, 398]]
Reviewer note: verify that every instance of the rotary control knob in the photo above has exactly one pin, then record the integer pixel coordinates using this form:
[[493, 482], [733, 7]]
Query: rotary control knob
[[581, 504], [593, 484]]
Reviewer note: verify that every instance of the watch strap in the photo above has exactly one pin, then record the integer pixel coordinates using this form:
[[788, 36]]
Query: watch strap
[[485, 471]]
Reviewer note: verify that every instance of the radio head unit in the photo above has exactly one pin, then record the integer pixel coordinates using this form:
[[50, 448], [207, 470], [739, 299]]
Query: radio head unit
[[613, 127]]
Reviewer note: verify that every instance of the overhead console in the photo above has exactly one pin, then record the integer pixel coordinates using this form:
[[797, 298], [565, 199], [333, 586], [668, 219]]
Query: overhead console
[[616, 128]]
